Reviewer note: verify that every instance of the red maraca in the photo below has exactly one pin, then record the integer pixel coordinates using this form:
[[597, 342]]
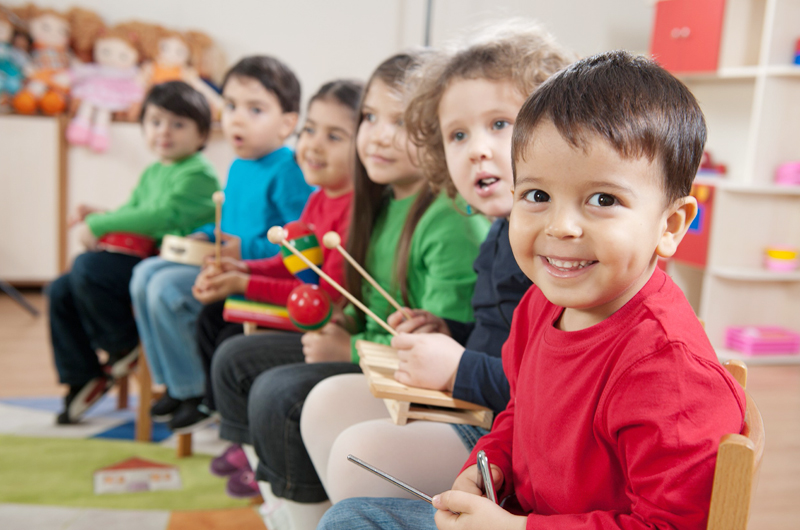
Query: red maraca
[[309, 307]]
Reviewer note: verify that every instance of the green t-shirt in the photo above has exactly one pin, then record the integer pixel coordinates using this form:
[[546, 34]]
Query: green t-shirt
[[169, 199], [440, 274]]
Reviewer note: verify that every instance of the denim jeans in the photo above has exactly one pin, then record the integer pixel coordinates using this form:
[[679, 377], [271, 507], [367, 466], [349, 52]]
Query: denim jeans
[[367, 513], [166, 316], [90, 309], [273, 409]]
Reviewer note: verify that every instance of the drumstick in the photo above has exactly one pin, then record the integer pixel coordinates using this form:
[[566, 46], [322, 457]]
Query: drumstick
[[218, 198], [277, 236], [332, 240]]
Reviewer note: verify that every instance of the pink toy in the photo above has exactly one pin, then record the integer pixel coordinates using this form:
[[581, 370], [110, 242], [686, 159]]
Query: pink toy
[[762, 340], [788, 174], [781, 258]]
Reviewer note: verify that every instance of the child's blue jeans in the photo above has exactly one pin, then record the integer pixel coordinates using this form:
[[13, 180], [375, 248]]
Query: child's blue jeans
[[90, 309], [166, 315], [364, 513]]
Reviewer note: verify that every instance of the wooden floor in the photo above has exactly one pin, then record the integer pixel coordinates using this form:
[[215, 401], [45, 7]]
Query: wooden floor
[[26, 369]]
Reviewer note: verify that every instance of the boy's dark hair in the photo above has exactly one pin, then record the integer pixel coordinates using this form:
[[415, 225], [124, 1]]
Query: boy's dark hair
[[346, 92], [181, 99], [273, 75], [628, 100]]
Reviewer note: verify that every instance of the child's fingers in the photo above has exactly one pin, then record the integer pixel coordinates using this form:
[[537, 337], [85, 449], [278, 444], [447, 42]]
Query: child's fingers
[[413, 325], [403, 341]]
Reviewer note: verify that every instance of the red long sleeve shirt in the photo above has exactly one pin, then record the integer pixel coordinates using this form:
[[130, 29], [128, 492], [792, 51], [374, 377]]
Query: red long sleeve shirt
[[271, 282], [617, 425]]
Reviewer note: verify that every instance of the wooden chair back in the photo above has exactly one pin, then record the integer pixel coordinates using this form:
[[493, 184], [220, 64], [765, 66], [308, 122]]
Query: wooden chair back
[[738, 463]]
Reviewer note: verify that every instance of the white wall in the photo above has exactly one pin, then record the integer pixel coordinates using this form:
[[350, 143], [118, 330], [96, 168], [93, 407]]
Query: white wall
[[324, 39]]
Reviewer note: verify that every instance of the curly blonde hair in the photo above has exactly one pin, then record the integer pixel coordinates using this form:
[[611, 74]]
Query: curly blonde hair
[[514, 50]]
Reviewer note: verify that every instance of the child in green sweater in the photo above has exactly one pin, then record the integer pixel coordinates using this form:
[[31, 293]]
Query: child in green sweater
[[90, 306]]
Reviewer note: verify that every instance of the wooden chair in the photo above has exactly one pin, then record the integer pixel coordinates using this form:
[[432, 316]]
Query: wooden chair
[[144, 423], [738, 463]]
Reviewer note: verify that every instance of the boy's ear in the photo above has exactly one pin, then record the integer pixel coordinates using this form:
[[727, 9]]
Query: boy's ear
[[288, 124], [679, 216]]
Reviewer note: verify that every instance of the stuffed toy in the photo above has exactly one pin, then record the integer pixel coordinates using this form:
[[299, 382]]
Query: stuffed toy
[[47, 75], [12, 60], [112, 83]]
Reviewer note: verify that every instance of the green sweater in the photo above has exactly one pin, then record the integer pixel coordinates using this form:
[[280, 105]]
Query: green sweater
[[169, 199], [440, 274]]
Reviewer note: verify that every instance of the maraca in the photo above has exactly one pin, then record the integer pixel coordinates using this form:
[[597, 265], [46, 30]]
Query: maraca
[[303, 239], [309, 307]]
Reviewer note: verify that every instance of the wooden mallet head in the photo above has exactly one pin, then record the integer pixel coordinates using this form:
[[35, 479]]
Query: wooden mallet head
[[331, 240], [218, 197], [276, 235]]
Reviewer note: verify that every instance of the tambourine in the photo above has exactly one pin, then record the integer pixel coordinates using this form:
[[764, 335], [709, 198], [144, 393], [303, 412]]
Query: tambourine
[[126, 243], [185, 250]]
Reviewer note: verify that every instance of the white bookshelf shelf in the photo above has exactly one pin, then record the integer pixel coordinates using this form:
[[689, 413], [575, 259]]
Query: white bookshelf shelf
[[754, 275], [753, 360]]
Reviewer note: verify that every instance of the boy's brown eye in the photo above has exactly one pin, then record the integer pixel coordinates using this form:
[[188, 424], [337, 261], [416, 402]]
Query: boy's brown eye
[[537, 196], [602, 199]]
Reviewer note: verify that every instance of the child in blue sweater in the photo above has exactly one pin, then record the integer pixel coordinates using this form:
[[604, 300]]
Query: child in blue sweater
[[265, 188]]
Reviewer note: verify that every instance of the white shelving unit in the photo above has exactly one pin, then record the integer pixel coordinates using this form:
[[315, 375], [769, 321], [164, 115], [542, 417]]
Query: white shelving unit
[[752, 107]]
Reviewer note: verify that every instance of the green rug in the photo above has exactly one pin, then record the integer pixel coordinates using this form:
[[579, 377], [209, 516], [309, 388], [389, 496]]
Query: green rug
[[59, 472]]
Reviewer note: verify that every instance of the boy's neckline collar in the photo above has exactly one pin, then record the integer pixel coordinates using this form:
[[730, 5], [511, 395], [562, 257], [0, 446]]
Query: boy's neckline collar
[[176, 162], [266, 156], [656, 281]]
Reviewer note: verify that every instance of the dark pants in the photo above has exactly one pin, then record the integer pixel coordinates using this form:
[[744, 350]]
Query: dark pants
[[261, 383], [212, 331], [90, 309]]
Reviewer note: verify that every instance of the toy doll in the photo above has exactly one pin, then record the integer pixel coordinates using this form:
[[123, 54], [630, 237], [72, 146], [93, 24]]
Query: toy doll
[[86, 27], [47, 83], [12, 60], [208, 58], [112, 83], [171, 58]]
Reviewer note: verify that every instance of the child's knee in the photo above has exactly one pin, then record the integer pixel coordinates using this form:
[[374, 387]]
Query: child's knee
[[59, 290]]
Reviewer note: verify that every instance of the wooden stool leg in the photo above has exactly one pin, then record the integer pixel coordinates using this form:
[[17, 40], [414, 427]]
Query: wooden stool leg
[[122, 393], [144, 423], [184, 445]]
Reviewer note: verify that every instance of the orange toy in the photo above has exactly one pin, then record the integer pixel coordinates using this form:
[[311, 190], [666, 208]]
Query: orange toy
[[47, 84]]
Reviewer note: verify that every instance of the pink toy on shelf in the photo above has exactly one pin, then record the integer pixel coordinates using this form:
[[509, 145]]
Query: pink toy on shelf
[[781, 258], [762, 340], [788, 174]]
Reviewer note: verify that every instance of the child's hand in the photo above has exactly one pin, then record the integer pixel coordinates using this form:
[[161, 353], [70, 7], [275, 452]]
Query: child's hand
[[458, 510], [86, 237], [231, 246], [427, 360], [227, 264], [80, 214], [219, 286], [467, 481], [331, 343], [423, 322]]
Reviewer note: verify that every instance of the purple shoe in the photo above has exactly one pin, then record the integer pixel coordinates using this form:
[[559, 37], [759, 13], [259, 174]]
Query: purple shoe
[[232, 460], [242, 485]]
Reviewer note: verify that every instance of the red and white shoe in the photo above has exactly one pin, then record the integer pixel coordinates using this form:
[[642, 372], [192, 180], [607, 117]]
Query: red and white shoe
[[119, 367], [88, 395]]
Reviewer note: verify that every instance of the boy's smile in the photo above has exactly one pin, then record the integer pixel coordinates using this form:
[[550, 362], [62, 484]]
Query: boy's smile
[[587, 225]]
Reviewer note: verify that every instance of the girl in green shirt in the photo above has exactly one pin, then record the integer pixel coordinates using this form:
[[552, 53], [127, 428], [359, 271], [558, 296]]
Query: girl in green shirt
[[415, 244]]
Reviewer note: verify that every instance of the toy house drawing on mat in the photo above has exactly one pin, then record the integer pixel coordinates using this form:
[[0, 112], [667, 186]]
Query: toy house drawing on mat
[[136, 474]]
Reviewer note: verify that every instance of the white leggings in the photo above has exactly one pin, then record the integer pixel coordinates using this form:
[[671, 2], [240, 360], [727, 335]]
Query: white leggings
[[340, 417]]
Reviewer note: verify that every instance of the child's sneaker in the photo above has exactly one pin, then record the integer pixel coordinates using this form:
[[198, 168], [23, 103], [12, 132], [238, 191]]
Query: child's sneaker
[[242, 485], [191, 415], [121, 364], [80, 399], [164, 409], [232, 460]]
